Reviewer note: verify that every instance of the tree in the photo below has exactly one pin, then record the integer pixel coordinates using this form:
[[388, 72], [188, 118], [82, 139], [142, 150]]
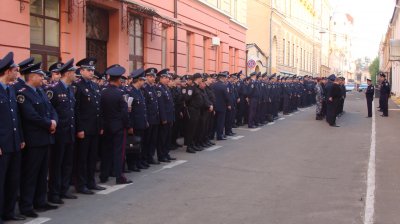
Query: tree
[[374, 69]]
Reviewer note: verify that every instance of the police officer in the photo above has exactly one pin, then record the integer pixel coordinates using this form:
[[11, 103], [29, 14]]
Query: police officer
[[194, 103], [88, 127], [369, 95], [116, 121], [153, 116], [54, 71], [11, 140], [137, 119], [39, 120], [253, 95], [167, 116], [62, 98], [385, 95], [222, 104], [19, 83]]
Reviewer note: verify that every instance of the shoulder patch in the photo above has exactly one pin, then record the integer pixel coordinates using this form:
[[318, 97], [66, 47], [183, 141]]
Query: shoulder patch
[[227, 89], [158, 93], [21, 98], [184, 91], [49, 94], [21, 90], [190, 92]]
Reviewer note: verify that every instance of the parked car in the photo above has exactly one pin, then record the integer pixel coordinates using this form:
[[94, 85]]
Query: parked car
[[363, 87], [350, 87]]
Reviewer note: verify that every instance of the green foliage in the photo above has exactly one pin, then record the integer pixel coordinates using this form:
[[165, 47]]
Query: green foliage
[[374, 69]]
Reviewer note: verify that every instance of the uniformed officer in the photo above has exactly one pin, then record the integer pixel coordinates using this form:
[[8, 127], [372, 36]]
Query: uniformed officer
[[11, 140], [39, 120], [167, 116], [19, 83], [333, 97], [153, 116], [194, 103], [55, 75], [369, 95], [137, 119], [88, 127], [177, 128], [385, 95], [222, 104], [116, 122], [253, 95], [62, 98]]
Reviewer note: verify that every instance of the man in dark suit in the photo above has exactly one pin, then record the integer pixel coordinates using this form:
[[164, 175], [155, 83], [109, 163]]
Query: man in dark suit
[[167, 115], [385, 95], [62, 98], [369, 95], [11, 140], [222, 104], [116, 122], [137, 119], [88, 127], [39, 120]]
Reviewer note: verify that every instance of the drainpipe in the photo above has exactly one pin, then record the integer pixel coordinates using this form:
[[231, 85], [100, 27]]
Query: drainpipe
[[270, 38], [176, 37]]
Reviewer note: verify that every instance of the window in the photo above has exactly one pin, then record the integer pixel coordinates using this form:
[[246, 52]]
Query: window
[[45, 31], [164, 52], [288, 53], [188, 51], [293, 53], [284, 52], [135, 42], [205, 53]]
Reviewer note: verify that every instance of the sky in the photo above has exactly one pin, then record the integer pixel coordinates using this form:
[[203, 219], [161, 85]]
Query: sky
[[371, 20]]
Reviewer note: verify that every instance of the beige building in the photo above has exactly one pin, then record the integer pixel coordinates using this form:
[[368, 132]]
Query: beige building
[[289, 33]]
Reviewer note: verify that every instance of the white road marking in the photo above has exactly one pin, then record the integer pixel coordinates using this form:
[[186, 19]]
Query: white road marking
[[111, 189], [171, 165], [38, 220], [296, 112], [281, 119], [289, 115], [215, 147], [370, 197], [249, 129], [271, 123], [237, 137], [255, 129], [358, 98], [394, 109]]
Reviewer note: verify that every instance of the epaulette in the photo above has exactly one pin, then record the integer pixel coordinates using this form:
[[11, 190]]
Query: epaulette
[[22, 89]]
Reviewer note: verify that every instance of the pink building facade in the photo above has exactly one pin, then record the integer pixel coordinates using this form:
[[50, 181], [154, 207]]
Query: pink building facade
[[135, 34]]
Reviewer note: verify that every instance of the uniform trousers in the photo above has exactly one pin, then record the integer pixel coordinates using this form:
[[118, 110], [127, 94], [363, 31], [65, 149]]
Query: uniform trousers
[[113, 157], [60, 170], [86, 159], [10, 171], [34, 169]]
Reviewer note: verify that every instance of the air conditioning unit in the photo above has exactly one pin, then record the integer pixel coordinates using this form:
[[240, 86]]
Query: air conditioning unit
[[215, 41]]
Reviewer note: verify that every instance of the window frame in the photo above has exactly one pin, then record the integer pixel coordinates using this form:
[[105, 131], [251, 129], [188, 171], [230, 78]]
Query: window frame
[[132, 55]]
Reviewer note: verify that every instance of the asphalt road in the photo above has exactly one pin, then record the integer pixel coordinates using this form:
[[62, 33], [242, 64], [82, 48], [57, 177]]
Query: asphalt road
[[296, 170]]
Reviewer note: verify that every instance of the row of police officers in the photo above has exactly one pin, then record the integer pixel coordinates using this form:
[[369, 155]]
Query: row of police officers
[[53, 133]]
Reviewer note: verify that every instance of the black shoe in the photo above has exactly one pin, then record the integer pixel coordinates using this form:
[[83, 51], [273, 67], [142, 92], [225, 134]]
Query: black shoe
[[211, 143], [122, 180], [189, 149], [153, 162], [140, 166], [207, 144], [46, 207], [334, 125], [368, 116], [85, 191], [96, 188], [144, 163], [55, 200], [170, 158], [384, 115], [14, 218], [229, 134], [197, 148], [127, 171], [134, 169], [163, 160], [234, 126], [221, 138], [30, 214]]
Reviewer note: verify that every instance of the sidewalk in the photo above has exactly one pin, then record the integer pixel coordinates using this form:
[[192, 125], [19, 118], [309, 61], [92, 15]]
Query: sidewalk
[[387, 166]]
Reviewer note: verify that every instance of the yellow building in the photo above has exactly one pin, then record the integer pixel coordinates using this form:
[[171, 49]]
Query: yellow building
[[293, 29]]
